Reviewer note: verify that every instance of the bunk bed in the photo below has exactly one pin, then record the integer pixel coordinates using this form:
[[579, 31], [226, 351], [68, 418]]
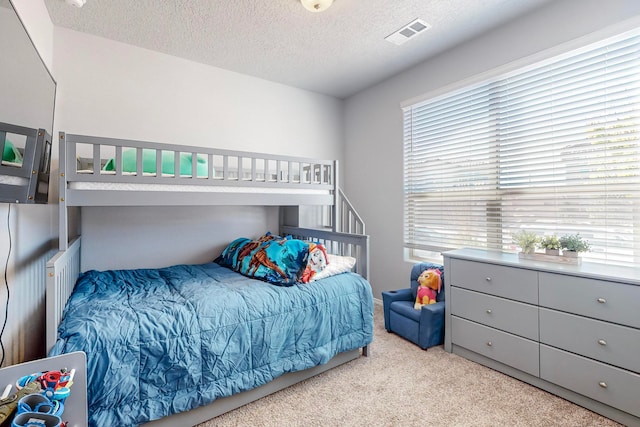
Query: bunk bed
[[24, 170], [329, 321]]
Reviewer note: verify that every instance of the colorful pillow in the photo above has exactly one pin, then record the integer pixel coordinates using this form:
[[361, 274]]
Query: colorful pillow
[[336, 264], [271, 258], [283, 261]]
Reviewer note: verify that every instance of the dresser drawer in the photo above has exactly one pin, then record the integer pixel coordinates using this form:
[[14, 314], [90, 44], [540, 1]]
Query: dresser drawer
[[606, 342], [509, 349], [507, 315], [607, 384], [508, 282], [611, 301]]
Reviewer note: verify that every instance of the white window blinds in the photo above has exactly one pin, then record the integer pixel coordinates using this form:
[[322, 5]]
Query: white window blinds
[[553, 149]]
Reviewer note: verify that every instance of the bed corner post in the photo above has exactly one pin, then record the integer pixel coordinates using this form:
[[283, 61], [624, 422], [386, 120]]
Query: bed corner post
[[63, 235]]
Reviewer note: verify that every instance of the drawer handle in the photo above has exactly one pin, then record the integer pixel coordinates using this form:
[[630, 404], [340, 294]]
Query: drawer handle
[[601, 300], [489, 311], [602, 342], [489, 343], [602, 384], [488, 279]]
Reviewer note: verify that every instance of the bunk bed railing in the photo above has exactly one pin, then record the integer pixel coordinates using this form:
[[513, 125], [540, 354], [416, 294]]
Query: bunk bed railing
[[99, 159], [62, 272], [353, 245], [27, 181], [92, 173], [345, 217]]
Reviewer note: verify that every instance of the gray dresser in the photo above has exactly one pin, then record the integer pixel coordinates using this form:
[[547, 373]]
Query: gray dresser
[[572, 330]]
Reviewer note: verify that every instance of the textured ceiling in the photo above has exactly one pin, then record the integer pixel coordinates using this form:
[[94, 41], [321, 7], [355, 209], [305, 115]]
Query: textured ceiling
[[338, 52]]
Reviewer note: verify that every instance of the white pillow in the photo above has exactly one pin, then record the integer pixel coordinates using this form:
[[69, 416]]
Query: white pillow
[[337, 264]]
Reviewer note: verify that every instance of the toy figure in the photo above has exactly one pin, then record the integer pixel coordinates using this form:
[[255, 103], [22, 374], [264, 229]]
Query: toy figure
[[429, 284], [318, 260]]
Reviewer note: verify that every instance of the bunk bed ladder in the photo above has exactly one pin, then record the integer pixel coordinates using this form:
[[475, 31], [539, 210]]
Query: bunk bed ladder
[[345, 217]]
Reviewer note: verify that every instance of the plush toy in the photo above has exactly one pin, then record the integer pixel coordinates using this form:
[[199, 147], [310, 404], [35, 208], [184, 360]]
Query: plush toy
[[429, 284], [317, 262]]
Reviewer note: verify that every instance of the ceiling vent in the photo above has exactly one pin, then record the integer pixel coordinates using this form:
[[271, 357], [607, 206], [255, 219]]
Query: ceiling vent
[[408, 32]]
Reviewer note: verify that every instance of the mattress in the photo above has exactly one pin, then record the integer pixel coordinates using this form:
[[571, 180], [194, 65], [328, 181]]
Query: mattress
[[185, 186], [118, 186], [10, 179], [13, 180], [163, 341]]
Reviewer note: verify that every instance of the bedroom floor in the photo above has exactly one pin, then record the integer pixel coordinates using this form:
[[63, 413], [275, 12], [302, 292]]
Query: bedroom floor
[[400, 384]]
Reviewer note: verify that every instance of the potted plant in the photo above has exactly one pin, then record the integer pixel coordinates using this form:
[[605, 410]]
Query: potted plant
[[551, 245], [573, 244], [526, 240]]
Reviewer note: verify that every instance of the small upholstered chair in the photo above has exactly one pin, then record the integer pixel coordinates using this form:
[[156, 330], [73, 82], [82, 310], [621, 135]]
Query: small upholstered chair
[[424, 327]]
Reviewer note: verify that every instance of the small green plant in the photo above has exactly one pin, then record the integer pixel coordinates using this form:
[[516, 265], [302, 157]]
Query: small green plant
[[526, 240], [574, 243], [550, 242]]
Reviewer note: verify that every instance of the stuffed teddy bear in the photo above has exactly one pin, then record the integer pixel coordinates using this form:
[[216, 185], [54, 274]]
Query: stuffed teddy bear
[[429, 284]]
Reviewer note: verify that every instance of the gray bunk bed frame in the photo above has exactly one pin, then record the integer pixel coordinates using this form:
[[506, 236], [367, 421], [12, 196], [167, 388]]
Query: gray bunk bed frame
[[315, 184], [32, 176]]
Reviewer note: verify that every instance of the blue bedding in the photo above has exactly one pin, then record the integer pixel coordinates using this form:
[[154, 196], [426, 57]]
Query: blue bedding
[[163, 341]]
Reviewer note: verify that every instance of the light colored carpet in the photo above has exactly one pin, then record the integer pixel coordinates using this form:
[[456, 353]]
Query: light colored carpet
[[401, 385]]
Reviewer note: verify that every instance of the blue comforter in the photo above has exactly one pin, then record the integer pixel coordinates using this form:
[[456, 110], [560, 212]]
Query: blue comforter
[[164, 341]]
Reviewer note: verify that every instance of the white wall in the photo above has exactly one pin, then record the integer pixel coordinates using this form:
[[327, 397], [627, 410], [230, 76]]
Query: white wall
[[35, 17], [29, 232], [150, 237], [112, 89], [27, 89], [373, 118]]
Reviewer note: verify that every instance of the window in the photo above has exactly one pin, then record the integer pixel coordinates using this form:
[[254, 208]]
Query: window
[[554, 148]]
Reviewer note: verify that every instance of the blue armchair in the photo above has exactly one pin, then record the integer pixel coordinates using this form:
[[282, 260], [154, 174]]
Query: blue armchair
[[424, 327]]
